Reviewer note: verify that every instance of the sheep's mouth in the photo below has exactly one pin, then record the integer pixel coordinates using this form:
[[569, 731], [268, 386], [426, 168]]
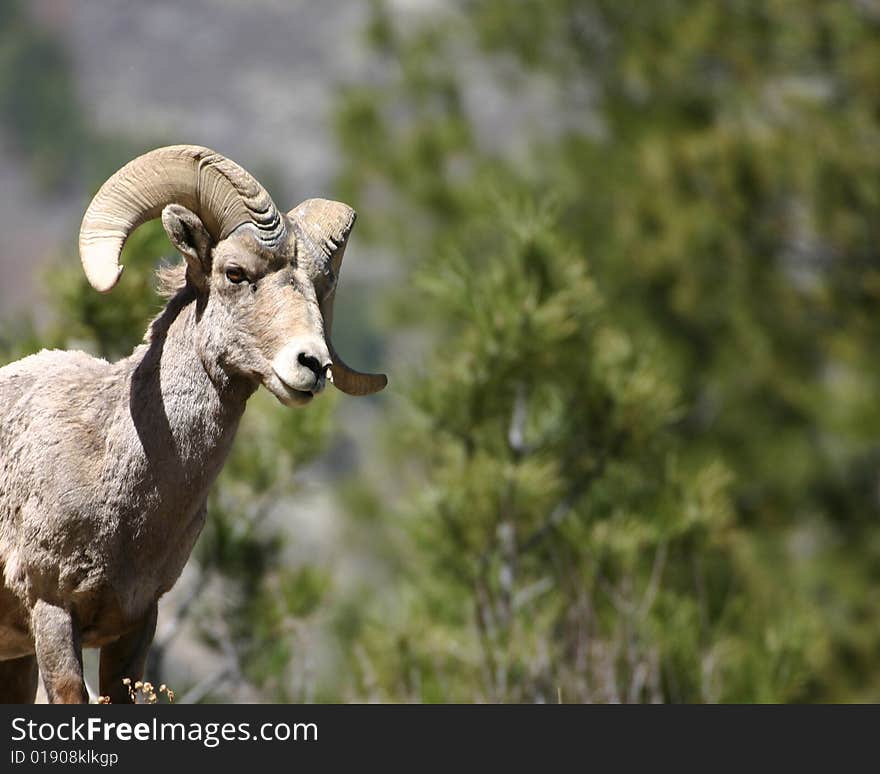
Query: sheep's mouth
[[288, 394], [300, 395]]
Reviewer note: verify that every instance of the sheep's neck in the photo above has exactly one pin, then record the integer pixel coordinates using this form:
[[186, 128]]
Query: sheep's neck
[[185, 412]]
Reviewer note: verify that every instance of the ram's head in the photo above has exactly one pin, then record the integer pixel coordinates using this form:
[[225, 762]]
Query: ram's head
[[264, 281]]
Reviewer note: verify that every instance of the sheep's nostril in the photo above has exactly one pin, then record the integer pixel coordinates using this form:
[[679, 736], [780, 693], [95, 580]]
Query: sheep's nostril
[[311, 363]]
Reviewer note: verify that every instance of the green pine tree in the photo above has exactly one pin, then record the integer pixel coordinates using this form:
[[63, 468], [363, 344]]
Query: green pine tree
[[670, 380]]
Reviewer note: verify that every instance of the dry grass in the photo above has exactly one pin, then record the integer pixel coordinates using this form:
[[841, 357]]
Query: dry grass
[[142, 692]]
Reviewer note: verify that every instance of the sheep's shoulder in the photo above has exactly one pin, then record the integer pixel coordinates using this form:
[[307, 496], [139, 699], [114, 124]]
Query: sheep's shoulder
[[54, 383], [55, 408]]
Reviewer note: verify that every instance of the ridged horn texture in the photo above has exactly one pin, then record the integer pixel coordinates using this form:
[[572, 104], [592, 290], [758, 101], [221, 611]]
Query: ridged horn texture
[[216, 189], [324, 226]]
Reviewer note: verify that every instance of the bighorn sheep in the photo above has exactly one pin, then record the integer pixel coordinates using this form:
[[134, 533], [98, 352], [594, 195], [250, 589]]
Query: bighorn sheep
[[105, 468]]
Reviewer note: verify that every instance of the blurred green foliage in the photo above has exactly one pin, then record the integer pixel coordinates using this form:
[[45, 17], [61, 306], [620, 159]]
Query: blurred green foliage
[[649, 411]]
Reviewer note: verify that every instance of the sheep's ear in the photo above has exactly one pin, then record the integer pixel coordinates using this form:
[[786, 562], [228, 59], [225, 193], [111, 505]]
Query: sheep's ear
[[189, 235]]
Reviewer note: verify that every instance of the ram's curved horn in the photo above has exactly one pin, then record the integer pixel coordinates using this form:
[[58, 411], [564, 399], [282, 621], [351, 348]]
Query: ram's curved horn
[[216, 189], [324, 226]]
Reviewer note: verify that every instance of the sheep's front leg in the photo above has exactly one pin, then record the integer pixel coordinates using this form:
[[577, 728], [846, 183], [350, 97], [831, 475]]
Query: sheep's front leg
[[59, 653], [18, 680], [126, 657]]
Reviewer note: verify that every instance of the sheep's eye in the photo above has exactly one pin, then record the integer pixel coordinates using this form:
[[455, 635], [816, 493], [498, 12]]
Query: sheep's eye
[[235, 274]]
